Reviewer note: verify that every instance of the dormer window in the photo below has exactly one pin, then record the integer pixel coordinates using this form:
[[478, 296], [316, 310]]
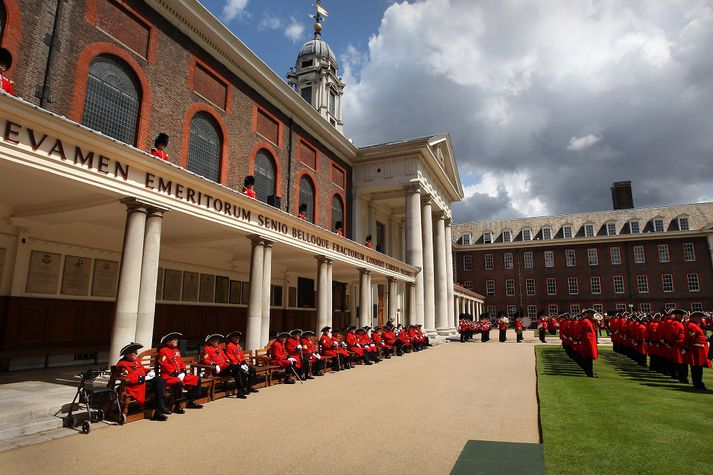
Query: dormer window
[[683, 223], [634, 227], [526, 234], [487, 238], [658, 225], [465, 239], [507, 236], [567, 231], [611, 229], [588, 230], [547, 233]]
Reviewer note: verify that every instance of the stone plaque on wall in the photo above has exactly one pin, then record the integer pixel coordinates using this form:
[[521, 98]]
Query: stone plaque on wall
[[207, 288], [190, 287], [172, 284], [43, 274], [106, 274], [75, 277], [221, 289]]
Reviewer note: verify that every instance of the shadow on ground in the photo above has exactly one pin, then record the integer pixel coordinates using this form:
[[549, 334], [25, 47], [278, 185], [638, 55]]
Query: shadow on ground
[[557, 363]]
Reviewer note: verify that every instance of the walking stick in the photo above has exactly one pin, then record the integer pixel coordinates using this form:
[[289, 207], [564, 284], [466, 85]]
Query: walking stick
[[295, 373]]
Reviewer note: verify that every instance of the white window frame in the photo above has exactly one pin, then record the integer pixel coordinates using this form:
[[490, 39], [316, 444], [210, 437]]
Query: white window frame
[[696, 307], [689, 246], [592, 257], [508, 260], [620, 307], [467, 263], [551, 286], [575, 308], [527, 234], [642, 283], [684, 219], [507, 234], [597, 307], [609, 229], [532, 311], [570, 257], [619, 284], [492, 310], [489, 262], [528, 259], [509, 289], [549, 258], [487, 237], [530, 284], [669, 305], [468, 284], [667, 283], [547, 230], [573, 283], [645, 307], [553, 309], [639, 255], [589, 230], [664, 254], [490, 288], [631, 226], [465, 240], [615, 255], [596, 284], [567, 229], [511, 310], [655, 224], [694, 283]]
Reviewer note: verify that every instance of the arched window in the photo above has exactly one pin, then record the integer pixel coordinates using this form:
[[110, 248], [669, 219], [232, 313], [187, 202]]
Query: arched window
[[205, 147], [264, 175], [307, 196], [337, 210], [113, 99]]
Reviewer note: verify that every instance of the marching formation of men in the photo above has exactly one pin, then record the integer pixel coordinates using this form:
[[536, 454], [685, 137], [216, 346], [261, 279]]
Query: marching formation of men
[[295, 351], [468, 328], [671, 342], [579, 339]]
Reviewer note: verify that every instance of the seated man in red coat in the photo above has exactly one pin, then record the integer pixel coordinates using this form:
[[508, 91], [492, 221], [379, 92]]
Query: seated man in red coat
[[389, 339], [328, 349], [311, 353], [280, 357], [377, 336], [294, 347], [423, 339], [368, 344], [696, 348], [175, 373], [354, 346], [235, 354], [337, 342], [402, 338], [135, 378], [214, 356]]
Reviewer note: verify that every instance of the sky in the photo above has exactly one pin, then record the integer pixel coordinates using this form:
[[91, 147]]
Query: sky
[[547, 103]]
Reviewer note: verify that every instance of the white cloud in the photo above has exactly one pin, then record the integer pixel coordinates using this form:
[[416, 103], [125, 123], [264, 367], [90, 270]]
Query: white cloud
[[233, 9], [270, 23], [577, 144], [294, 30]]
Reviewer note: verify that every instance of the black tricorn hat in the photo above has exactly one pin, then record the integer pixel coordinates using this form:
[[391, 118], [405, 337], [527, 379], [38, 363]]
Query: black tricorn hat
[[303, 207], [232, 334], [131, 348], [249, 180], [214, 336], [161, 139], [326, 329], [296, 330], [677, 311], [368, 237], [338, 225], [360, 330], [170, 336], [5, 58], [698, 314], [282, 335], [307, 333]]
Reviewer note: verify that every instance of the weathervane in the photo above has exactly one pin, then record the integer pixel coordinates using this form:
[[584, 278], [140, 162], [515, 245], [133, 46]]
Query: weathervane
[[318, 17]]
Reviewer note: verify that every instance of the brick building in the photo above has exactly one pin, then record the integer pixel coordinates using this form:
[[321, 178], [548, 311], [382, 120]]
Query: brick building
[[643, 258]]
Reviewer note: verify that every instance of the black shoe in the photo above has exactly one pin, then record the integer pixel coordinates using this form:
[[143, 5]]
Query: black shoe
[[157, 416], [289, 381], [593, 375], [319, 373], [194, 405], [179, 410], [163, 410], [684, 381], [308, 377], [253, 390], [368, 363], [701, 386], [240, 396]]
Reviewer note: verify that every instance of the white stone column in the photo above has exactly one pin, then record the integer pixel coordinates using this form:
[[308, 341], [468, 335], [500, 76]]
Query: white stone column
[[324, 288], [441, 278], [393, 298], [364, 298], [414, 252], [254, 324], [330, 305], [449, 273], [266, 291], [127, 297], [149, 277], [429, 290]]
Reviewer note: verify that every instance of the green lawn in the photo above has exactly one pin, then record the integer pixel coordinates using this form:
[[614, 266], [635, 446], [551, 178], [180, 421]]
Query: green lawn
[[628, 421]]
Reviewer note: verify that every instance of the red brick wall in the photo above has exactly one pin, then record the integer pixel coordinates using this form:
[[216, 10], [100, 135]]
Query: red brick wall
[[677, 267]]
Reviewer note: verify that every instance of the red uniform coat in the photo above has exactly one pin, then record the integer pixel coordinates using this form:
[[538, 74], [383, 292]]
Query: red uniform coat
[[389, 337], [403, 337], [696, 346], [327, 347], [234, 352], [352, 343], [280, 355], [676, 339], [519, 327], [6, 85], [159, 153], [214, 355], [249, 192], [309, 348], [340, 345], [133, 373], [171, 365], [588, 347]]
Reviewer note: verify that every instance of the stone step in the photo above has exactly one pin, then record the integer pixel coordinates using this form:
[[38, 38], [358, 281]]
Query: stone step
[[29, 427]]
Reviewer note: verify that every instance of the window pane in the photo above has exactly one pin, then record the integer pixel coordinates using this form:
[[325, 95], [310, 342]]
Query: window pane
[[634, 227], [264, 175], [338, 211], [205, 147], [547, 233], [307, 197], [306, 93], [112, 100]]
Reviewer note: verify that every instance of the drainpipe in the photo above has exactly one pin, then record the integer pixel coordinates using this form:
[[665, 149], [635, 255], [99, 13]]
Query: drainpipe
[[52, 40]]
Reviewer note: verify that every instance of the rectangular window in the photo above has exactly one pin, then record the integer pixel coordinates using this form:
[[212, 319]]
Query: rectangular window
[[689, 254], [592, 257], [588, 230], [465, 239], [532, 311], [615, 255], [468, 284], [490, 288], [527, 257], [530, 286], [489, 262], [549, 259], [553, 309], [696, 307], [487, 238], [618, 284], [492, 310], [693, 284], [658, 225], [467, 263], [569, 254], [306, 94], [667, 282], [663, 253], [611, 229], [507, 236], [526, 235], [546, 233], [507, 257], [634, 227], [332, 102], [645, 307], [511, 310], [510, 287], [573, 286], [551, 286], [669, 306], [574, 309], [642, 282], [597, 307], [596, 285], [683, 224], [621, 307], [567, 232], [639, 256], [276, 296]]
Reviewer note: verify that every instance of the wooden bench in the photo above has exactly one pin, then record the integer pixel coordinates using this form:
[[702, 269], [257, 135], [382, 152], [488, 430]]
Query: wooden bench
[[261, 359]]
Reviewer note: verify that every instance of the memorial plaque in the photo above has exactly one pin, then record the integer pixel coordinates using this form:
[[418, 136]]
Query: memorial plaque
[[43, 274], [190, 287], [75, 277], [235, 291], [106, 274], [222, 285], [207, 288], [172, 284]]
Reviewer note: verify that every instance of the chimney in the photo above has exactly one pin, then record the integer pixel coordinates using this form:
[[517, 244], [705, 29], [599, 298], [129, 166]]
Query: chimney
[[621, 195]]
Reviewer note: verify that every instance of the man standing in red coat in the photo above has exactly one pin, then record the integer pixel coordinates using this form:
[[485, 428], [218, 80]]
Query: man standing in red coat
[[280, 357], [235, 354], [587, 342], [696, 349], [677, 338], [175, 373], [135, 378], [519, 329]]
